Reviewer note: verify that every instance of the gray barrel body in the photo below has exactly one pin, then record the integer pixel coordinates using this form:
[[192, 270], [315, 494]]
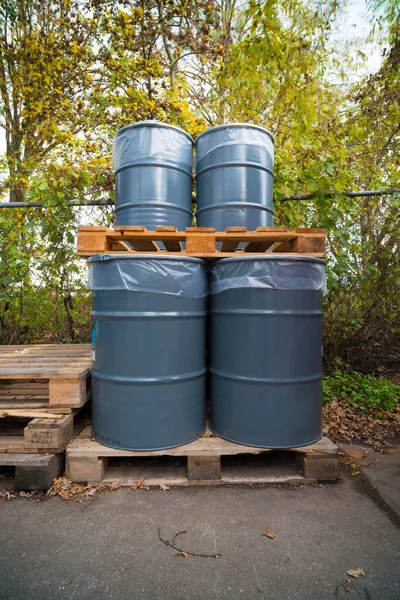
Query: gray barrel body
[[266, 366], [153, 175], [148, 376], [234, 177]]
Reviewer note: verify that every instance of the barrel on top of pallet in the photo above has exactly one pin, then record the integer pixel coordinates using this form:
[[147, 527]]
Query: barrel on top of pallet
[[148, 353], [153, 165], [234, 177], [266, 350]]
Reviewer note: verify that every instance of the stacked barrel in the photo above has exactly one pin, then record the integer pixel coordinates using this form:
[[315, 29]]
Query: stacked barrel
[[149, 312], [234, 177], [153, 175]]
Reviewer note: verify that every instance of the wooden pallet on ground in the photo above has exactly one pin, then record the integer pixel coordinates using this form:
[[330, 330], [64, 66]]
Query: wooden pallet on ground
[[38, 432], [202, 242], [54, 376], [206, 463]]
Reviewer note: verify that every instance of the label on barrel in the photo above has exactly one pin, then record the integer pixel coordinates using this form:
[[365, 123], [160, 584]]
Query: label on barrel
[[106, 440]]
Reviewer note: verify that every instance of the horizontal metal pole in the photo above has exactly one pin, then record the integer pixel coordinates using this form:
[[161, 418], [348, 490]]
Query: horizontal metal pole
[[109, 202], [366, 193]]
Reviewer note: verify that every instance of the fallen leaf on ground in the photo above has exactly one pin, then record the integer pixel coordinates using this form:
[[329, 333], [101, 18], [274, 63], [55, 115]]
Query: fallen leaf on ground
[[355, 572], [269, 534], [185, 554], [6, 495], [355, 453], [67, 490], [164, 487], [344, 424], [139, 484]]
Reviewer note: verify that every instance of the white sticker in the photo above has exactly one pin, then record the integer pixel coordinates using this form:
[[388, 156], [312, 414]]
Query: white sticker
[[93, 355]]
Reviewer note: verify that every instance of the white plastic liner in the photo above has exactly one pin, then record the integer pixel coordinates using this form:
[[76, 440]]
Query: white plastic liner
[[237, 133], [152, 142], [275, 274], [179, 277]]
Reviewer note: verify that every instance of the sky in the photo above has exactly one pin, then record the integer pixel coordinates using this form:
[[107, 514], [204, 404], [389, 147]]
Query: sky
[[353, 25]]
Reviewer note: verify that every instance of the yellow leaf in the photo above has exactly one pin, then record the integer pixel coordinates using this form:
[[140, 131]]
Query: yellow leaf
[[140, 484], [269, 534], [74, 47]]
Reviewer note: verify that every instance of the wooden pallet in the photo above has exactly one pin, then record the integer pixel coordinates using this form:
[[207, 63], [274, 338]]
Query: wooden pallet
[[89, 461], [33, 471], [38, 432], [202, 242], [55, 376]]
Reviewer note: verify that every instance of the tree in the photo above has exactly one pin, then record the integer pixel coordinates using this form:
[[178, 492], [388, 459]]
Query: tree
[[144, 50], [45, 55]]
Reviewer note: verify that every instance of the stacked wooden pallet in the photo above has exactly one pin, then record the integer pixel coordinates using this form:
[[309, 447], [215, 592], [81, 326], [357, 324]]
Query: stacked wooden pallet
[[43, 390], [202, 242]]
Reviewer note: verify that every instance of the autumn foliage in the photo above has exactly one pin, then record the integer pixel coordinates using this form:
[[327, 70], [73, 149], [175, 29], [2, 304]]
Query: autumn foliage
[[72, 72]]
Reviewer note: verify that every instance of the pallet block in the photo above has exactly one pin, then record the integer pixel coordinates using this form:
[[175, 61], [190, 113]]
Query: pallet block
[[34, 471], [42, 434]]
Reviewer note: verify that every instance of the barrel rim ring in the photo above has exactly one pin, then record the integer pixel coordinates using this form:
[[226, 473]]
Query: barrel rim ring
[[227, 125], [151, 205], [286, 257], [150, 449], [151, 123], [229, 439], [110, 257], [241, 205]]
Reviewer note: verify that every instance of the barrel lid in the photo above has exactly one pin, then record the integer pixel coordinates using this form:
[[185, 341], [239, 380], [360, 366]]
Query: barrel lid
[[150, 123], [235, 125], [276, 257], [112, 257]]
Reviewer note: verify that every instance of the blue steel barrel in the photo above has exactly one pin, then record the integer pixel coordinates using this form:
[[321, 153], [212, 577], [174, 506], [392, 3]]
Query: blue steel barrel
[[266, 350], [148, 350], [234, 177], [153, 175]]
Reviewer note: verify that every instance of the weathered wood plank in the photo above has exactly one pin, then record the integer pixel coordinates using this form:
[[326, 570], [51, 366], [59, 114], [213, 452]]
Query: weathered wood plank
[[30, 375]]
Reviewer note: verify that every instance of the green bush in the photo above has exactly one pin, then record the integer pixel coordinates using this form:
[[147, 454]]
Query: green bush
[[365, 392]]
